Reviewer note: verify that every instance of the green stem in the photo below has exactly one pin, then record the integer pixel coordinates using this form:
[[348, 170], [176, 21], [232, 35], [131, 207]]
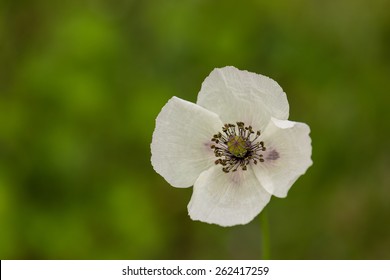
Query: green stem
[[266, 252]]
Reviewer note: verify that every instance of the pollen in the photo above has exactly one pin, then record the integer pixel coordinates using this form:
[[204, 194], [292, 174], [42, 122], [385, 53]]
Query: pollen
[[237, 146]]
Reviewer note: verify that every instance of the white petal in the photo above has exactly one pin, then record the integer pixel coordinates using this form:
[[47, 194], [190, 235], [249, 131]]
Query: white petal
[[287, 157], [227, 199], [237, 95], [181, 142]]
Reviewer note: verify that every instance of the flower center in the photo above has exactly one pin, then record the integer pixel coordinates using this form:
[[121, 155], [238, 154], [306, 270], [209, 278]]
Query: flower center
[[236, 145], [235, 148]]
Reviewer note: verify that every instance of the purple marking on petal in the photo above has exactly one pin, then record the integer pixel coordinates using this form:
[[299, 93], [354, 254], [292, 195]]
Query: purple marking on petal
[[208, 144], [207, 147], [273, 155]]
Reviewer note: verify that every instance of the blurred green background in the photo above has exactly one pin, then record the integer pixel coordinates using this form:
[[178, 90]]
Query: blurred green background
[[81, 83]]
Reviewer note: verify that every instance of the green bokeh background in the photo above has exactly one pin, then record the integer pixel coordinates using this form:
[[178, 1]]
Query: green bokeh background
[[81, 83]]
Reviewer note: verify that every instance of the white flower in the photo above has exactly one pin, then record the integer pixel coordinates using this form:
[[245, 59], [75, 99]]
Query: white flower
[[235, 146]]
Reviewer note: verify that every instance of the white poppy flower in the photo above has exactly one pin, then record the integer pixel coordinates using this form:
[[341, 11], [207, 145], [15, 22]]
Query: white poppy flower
[[235, 146]]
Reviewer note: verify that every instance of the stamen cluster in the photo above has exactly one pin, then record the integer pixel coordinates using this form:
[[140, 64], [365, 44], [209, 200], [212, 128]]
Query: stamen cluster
[[235, 149]]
